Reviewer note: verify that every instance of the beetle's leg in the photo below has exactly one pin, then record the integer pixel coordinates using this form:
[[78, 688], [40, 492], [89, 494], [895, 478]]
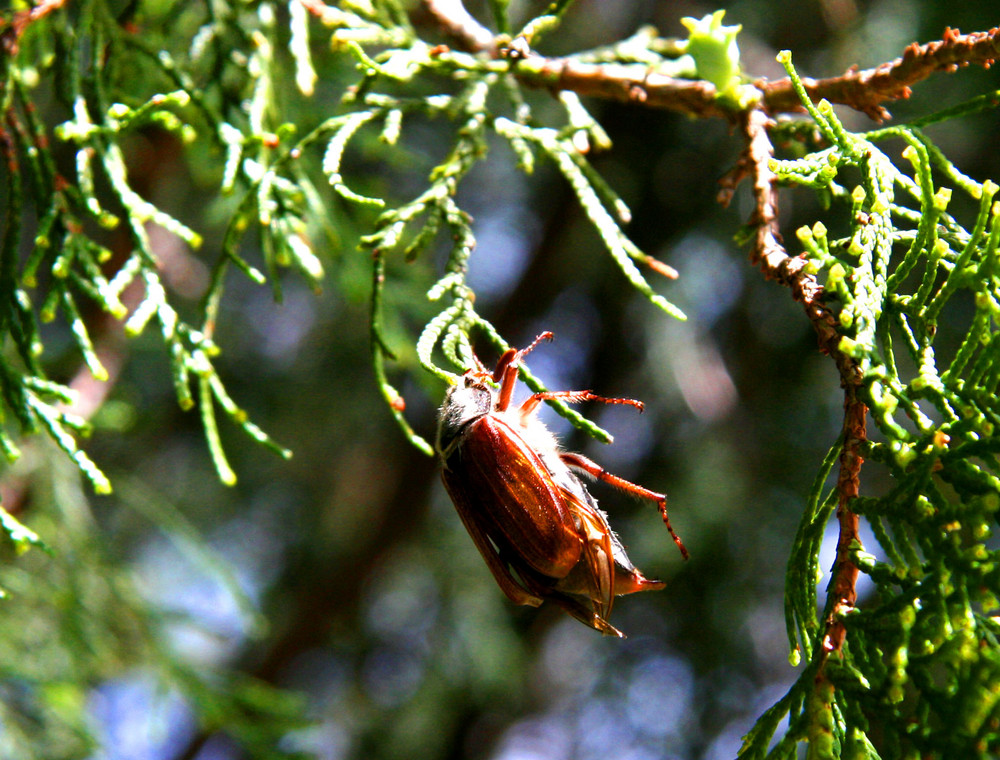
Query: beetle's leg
[[571, 397], [581, 462], [514, 356], [507, 369]]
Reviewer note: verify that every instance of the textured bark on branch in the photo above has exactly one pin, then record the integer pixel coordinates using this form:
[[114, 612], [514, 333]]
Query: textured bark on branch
[[867, 90], [863, 90], [770, 255], [10, 36]]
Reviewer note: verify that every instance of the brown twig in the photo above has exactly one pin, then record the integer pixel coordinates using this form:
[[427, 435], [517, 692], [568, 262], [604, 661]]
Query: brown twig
[[842, 591], [867, 90], [770, 255], [461, 27], [627, 83], [10, 36], [768, 252]]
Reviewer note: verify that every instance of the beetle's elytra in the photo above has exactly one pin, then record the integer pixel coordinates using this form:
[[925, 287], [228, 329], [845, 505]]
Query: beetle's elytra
[[522, 500]]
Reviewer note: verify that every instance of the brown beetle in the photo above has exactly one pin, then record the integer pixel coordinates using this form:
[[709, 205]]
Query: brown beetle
[[522, 501]]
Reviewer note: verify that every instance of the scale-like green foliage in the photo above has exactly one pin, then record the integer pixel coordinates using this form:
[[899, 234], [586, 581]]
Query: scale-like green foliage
[[267, 167], [920, 666]]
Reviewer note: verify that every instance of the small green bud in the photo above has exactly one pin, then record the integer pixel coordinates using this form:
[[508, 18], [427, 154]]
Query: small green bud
[[895, 694], [978, 552], [864, 560], [923, 507], [714, 49], [107, 220], [879, 206], [167, 120], [877, 372], [904, 454], [889, 404], [849, 347], [942, 198], [30, 78], [846, 317]]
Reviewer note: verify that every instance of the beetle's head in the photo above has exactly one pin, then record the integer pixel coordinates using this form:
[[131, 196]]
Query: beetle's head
[[465, 402]]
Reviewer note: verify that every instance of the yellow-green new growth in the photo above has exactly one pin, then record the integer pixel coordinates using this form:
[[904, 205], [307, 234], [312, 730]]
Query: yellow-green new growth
[[715, 52]]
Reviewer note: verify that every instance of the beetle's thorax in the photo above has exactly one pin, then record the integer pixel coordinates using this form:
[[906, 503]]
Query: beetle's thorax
[[533, 431], [464, 403]]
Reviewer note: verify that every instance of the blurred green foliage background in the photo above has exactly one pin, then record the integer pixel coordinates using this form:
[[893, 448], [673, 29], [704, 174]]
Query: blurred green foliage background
[[342, 578]]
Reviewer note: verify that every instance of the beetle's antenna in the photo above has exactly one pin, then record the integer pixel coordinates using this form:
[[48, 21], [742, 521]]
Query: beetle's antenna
[[480, 368]]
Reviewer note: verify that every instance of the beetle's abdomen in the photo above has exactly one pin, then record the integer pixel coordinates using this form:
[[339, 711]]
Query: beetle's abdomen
[[521, 506]]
